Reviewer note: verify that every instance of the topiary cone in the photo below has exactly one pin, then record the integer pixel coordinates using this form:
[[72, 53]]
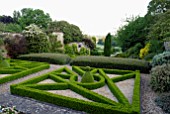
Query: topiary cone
[[4, 63], [87, 77]]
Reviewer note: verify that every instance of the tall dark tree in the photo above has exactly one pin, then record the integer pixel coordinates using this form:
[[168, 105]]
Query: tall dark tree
[[6, 19], [107, 45], [16, 16]]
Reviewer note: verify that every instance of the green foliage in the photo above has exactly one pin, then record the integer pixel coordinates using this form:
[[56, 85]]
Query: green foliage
[[114, 89], [37, 40], [75, 49], [160, 59], [72, 33], [29, 16], [134, 32], [100, 81], [160, 30], [149, 56], [114, 63], [87, 76], [96, 51], [133, 52], [107, 45], [47, 57], [11, 27], [94, 39], [158, 6], [156, 46], [101, 104], [160, 80], [4, 64], [163, 102], [17, 70], [55, 45], [68, 49], [84, 51]]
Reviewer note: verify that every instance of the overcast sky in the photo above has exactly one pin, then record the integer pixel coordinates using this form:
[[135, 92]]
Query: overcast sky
[[94, 17]]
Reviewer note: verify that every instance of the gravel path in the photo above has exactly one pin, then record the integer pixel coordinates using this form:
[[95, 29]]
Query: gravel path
[[148, 96]]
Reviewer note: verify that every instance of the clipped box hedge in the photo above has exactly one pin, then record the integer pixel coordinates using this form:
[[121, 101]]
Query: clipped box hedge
[[113, 63], [101, 104], [47, 57], [20, 69]]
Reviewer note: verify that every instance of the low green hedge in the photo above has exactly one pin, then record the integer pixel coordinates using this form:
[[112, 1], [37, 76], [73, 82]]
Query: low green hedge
[[113, 63], [77, 104], [18, 70], [102, 105], [23, 73], [100, 81], [136, 93], [114, 89], [47, 57]]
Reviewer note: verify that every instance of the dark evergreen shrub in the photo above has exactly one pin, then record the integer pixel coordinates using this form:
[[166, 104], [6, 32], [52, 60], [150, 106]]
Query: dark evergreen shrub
[[107, 45]]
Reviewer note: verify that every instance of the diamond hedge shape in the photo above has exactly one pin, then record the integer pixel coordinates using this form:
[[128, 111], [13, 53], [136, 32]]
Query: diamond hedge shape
[[20, 68], [99, 104]]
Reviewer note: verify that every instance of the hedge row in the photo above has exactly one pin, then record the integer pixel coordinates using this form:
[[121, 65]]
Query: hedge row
[[15, 74], [47, 57], [113, 63], [77, 104], [114, 89], [136, 93], [102, 105]]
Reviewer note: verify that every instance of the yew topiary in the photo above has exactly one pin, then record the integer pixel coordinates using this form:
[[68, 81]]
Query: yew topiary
[[108, 45], [88, 76]]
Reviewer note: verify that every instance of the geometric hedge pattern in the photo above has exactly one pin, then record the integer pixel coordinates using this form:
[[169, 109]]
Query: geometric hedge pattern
[[20, 68], [68, 80]]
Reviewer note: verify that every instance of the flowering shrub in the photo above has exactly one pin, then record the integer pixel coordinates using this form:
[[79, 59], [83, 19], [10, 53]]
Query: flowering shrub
[[144, 51]]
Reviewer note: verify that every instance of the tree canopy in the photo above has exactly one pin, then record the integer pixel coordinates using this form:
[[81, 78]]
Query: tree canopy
[[132, 33], [161, 29], [72, 33], [29, 16], [158, 6]]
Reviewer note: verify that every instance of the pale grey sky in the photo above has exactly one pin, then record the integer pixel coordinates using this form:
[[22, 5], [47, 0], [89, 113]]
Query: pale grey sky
[[94, 17]]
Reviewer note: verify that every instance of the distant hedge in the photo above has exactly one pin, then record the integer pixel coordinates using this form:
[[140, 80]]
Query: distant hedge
[[114, 63], [47, 57]]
